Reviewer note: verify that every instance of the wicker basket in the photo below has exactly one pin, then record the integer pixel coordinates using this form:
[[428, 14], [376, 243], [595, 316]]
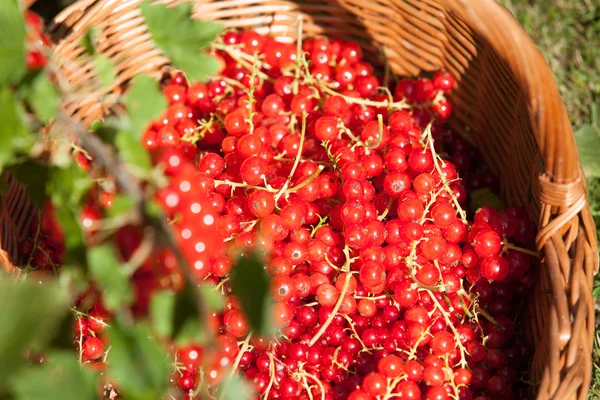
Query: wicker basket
[[506, 100]]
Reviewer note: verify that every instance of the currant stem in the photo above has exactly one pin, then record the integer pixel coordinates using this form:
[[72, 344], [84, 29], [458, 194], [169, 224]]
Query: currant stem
[[336, 308], [510, 246], [240, 354], [251, 100], [199, 134], [300, 146], [387, 210], [339, 302], [445, 183], [351, 324], [307, 181], [239, 56], [82, 314], [349, 133], [487, 316], [80, 345], [392, 385], [298, 57], [271, 374], [464, 305], [324, 163], [321, 222], [141, 253], [399, 105], [37, 236], [379, 131], [318, 382], [243, 185], [296, 160], [463, 351]]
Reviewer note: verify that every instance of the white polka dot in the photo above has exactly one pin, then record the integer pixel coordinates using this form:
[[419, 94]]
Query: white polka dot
[[213, 374], [172, 200], [185, 186], [174, 161], [196, 208], [200, 247], [87, 222], [198, 265], [209, 220], [193, 355], [186, 233]]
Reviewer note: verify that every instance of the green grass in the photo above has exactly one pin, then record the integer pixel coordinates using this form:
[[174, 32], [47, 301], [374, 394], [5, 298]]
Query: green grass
[[568, 34]]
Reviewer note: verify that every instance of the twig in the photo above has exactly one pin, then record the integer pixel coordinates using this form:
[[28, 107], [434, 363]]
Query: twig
[[129, 186]]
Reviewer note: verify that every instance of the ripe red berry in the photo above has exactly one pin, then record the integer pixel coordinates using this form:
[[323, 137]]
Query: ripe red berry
[[375, 384], [443, 81], [487, 243], [494, 268], [391, 366], [260, 203], [92, 349]]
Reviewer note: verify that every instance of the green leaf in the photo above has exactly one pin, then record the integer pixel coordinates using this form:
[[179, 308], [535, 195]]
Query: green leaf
[[12, 42], [4, 186], [106, 70], [15, 137], [108, 128], [236, 388], [249, 281], [133, 153], [88, 40], [138, 363], [190, 332], [211, 296], [43, 97], [154, 209], [201, 65], [162, 308], [30, 314], [68, 186], [60, 378], [73, 279], [588, 143], [111, 275], [63, 340], [186, 310], [68, 219], [34, 176], [485, 197], [182, 45], [144, 102], [120, 205]]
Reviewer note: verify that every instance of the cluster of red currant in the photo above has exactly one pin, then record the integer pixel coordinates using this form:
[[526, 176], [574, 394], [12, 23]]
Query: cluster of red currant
[[355, 194], [37, 40], [43, 251], [382, 287]]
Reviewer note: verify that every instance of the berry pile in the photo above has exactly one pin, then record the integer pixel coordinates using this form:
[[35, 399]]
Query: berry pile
[[355, 192]]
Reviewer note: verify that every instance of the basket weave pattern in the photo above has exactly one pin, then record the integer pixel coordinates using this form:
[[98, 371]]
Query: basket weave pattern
[[506, 102]]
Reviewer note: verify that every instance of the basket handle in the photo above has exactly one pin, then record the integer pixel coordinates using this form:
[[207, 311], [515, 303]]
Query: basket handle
[[549, 119]]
